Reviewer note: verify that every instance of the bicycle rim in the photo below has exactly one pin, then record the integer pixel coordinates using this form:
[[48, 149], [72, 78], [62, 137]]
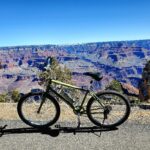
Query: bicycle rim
[[115, 111], [29, 109]]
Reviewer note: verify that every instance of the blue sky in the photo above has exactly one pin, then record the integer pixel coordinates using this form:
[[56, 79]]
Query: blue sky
[[26, 22]]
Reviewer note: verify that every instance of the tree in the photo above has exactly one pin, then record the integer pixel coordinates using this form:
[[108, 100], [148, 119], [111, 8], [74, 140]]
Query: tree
[[63, 74], [55, 71], [144, 85]]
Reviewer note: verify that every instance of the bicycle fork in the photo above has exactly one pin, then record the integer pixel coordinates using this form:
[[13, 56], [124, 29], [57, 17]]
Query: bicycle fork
[[43, 97], [41, 104]]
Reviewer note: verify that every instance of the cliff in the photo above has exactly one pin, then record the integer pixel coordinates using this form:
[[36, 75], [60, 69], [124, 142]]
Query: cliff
[[123, 61]]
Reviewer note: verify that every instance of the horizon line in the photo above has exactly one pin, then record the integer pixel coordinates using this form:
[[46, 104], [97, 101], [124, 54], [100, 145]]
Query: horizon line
[[69, 44]]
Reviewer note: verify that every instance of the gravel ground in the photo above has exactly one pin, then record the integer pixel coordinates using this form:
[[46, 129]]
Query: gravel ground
[[129, 136]]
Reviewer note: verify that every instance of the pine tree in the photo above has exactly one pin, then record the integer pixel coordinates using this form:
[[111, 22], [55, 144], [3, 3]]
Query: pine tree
[[55, 71]]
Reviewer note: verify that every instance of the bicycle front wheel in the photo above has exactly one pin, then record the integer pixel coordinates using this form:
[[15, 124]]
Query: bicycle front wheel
[[30, 112], [108, 109]]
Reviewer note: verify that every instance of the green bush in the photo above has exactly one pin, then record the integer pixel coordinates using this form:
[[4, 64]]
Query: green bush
[[15, 96], [4, 98], [115, 85]]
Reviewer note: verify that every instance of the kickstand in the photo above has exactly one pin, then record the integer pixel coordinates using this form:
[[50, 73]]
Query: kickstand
[[100, 131], [99, 135], [78, 119]]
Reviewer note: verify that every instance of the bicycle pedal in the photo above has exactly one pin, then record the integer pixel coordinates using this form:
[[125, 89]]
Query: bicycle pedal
[[57, 126]]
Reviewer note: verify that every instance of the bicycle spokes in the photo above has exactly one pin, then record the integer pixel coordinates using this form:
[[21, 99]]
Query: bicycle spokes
[[112, 111], [38, 111]]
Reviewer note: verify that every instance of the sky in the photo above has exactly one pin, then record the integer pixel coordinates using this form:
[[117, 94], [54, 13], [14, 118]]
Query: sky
[[39, 22]]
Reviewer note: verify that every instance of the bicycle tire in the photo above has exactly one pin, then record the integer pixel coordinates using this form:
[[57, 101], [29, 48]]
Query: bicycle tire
[[120, 105], [29, 106]]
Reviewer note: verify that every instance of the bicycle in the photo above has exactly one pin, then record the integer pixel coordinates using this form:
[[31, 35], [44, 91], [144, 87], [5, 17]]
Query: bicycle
[[105, 109]]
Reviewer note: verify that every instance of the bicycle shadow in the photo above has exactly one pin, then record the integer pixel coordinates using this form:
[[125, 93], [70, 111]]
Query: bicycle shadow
[[54, 132], [145, 107]]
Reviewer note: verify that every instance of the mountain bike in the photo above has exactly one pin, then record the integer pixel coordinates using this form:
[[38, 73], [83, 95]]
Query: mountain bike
[[105, 109]]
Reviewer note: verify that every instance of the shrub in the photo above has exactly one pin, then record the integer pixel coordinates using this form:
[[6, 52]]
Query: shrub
[[15, 95], [4, 98], [115, 85]]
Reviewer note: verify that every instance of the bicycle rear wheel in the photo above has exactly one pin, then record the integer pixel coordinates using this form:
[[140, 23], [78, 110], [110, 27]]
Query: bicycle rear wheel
[[109, 109], [28, 110]]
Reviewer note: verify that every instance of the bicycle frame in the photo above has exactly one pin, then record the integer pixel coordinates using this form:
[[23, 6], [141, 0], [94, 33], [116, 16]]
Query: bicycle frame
[[79, 108]]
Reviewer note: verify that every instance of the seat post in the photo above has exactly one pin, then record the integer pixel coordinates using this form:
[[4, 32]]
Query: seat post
[[91, 87]]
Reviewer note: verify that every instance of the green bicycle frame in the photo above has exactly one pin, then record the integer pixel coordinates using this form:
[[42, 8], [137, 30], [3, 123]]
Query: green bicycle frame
[[90, 92]]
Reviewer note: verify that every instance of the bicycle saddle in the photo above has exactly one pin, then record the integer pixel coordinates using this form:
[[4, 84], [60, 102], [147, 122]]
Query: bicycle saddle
[[97, 76]]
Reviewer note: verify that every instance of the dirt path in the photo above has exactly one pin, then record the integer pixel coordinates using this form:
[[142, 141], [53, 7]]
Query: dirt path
[[134, 134], [8, 111]]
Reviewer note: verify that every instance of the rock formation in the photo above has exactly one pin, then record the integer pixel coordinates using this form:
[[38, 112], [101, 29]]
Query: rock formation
[[123, 61]]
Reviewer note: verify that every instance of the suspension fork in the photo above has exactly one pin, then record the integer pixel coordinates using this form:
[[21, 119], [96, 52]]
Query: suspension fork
[[44, 97]]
